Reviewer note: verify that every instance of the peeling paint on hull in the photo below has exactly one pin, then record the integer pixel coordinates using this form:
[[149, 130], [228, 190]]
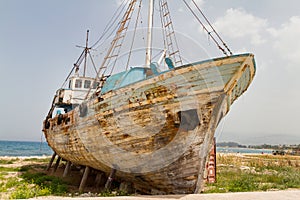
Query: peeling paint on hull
[[156, 133]]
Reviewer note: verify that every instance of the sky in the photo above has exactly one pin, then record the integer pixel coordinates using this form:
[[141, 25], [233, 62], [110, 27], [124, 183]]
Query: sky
[[38, 48]]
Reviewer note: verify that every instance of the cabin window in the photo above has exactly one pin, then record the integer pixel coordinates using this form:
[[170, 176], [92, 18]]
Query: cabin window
[[78, 83], [87, 84], [70, 84]]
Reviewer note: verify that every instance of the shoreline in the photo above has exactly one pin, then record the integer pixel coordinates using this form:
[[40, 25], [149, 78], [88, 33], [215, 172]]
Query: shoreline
[[25, 157]]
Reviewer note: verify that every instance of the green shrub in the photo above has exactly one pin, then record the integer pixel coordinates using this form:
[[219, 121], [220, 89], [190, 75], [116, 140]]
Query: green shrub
[[7, 162], [24, 168], [12, 182], [112, 193], [2, 187], [244, 182], [54, 184], [26, 191], [9, 169], [40, 160], [34, 185]]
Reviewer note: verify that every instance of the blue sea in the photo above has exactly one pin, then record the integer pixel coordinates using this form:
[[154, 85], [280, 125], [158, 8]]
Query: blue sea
[[10, 148], [243, 150]]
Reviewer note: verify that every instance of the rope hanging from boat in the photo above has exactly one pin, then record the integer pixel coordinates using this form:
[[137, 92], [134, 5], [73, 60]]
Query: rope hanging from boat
[[227, 51]]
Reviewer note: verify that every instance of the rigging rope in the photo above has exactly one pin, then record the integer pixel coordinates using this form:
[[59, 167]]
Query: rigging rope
[[113, 25], [79, 60], [225, 45], [162, 25], [204, 27], [160, 10], [169, 35], [143, 31], [134, 33], [126, 17], [122, 27], [107, 28], [92, 60], [111, 22]]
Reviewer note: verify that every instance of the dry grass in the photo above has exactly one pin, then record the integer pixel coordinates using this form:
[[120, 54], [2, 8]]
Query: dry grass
[[241, 173]]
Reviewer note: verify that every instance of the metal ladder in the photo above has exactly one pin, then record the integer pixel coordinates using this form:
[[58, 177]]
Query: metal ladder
[[114, 49], [117, 42], [169, 34]]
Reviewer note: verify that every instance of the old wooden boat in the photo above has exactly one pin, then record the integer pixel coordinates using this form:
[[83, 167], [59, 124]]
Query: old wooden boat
[[153, 128]]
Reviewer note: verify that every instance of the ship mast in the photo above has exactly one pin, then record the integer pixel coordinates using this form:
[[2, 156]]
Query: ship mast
[[86, 49], [149, 33]]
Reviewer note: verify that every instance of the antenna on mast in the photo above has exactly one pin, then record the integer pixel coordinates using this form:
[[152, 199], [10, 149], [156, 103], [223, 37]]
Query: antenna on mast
[[83, 56], [86, 51]]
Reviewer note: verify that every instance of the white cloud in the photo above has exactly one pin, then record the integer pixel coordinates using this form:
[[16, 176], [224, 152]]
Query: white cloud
[[237, 23], [286, 40]]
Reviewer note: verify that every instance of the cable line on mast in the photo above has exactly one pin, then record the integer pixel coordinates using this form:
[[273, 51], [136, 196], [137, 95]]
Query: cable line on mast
[[206, 29]]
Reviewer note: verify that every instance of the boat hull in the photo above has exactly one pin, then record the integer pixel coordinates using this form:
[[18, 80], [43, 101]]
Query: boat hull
[[155, 133]]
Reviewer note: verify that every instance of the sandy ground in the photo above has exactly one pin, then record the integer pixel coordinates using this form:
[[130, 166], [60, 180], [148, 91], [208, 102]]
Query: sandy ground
[[274, 195]]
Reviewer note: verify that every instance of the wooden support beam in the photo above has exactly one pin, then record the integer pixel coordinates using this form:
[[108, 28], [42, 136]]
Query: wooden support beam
[[110, 179], [56, 164], [100, 179], [84, 178], [126, 187], [67, 169], [51, 161]]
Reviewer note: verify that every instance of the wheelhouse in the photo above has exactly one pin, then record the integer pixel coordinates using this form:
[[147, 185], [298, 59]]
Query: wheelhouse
[[79, 88]]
